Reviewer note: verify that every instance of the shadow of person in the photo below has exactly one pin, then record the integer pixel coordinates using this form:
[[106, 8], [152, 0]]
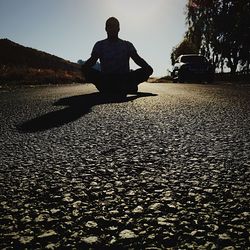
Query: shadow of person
[[76, 107]]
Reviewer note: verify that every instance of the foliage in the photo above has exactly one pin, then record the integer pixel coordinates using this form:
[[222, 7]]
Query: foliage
[[221, 31], [185, 47], [23, 74], [80, 62]]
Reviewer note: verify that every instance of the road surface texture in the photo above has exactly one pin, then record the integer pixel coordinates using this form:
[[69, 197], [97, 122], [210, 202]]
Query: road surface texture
[[168, 168]]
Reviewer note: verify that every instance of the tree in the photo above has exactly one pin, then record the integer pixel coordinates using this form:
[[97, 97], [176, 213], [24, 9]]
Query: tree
[[80, 61], [185, 47], [221, 29]]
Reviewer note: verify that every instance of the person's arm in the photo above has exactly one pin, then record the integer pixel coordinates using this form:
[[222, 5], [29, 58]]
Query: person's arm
[[140, 61], [89, 63]]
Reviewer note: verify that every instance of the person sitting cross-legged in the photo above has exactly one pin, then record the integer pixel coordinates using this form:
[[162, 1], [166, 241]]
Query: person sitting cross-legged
[[114, 54]]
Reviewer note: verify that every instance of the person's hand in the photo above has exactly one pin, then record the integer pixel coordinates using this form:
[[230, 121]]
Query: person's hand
[[149, 69]]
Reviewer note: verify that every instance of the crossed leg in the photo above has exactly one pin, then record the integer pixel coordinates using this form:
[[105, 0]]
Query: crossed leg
[[121, 83]]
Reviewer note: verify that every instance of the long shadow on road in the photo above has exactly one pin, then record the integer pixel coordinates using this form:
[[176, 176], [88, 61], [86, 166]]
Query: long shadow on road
[[76, 107]]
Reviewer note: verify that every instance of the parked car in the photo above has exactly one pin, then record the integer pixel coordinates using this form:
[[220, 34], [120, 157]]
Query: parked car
[[192, 67]]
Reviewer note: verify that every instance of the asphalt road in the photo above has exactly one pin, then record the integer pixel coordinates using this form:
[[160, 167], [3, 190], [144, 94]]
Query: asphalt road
[[167, 168]]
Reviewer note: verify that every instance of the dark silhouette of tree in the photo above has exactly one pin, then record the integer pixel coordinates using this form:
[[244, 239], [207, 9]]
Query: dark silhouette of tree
[[80, 61], [185, 47], [221, 30]]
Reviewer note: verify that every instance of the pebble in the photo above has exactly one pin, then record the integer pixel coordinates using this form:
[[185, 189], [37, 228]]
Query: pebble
[[90, 240], [138, 210], [76, 204], [47, 234], [26, 239], [127, 234], [225, 240], [155, 206], [41, 217], [91, 224]]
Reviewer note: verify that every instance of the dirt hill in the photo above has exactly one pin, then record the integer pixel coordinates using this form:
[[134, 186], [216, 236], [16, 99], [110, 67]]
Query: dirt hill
[[22, 64]]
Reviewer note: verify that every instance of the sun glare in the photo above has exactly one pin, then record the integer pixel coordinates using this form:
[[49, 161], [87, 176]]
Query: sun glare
[[139, 11]]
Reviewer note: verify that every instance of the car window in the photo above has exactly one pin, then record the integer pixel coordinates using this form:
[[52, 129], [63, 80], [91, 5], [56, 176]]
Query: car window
[[193, 59]]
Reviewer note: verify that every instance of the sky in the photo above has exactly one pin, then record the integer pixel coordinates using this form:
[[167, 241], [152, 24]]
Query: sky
[[70, 28]]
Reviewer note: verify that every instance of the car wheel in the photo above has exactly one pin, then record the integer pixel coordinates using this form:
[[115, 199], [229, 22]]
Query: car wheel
[[181, 77], [210, 79]]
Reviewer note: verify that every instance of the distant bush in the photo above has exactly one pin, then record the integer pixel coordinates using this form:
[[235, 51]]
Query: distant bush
[[219, 77], [237, 77], [160, 80], [21, 64], [21, 74]]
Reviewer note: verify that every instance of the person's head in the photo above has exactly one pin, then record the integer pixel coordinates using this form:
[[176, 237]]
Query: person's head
[[112, 27]]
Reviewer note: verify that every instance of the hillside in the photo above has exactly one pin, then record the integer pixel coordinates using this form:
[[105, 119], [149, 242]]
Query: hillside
[[23, 64]]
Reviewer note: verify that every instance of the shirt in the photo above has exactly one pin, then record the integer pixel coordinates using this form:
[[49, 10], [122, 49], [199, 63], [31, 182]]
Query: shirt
[[114, 55]]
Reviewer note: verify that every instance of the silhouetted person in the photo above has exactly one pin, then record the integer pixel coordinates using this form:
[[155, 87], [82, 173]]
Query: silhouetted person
[[114, 54]]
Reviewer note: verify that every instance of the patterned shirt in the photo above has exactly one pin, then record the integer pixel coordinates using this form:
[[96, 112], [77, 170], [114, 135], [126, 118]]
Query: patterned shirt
[[114, 55]]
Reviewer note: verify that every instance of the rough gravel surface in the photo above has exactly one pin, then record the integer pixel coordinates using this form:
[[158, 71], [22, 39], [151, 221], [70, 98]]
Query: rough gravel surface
[[168, 168]]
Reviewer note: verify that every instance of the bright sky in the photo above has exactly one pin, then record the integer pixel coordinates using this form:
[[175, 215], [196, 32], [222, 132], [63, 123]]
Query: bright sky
[[70, 28]]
